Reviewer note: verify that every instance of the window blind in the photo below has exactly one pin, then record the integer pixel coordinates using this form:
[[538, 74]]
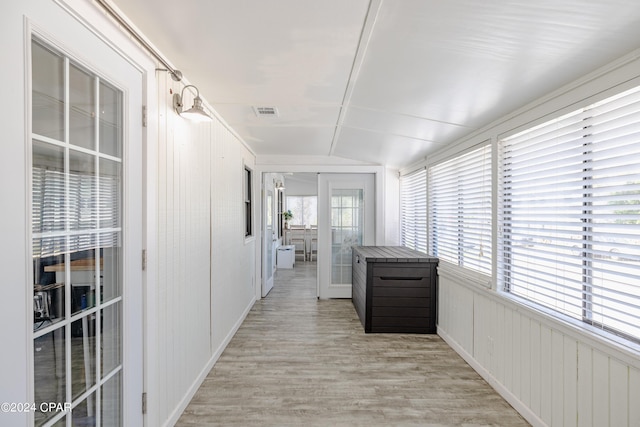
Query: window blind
[[51, 212], [48, 209], [460, 210], [413, 210], [569, 214]]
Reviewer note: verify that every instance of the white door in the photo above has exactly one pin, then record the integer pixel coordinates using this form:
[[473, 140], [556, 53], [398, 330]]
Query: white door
[[269, 237], [86, 194], [346, 217]]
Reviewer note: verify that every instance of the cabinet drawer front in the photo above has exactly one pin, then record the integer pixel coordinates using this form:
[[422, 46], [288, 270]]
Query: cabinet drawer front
[[401, 270], [401, 282]]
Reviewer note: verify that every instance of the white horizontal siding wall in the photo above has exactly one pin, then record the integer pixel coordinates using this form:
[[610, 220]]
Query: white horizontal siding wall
[[203, 289], [552, 375]]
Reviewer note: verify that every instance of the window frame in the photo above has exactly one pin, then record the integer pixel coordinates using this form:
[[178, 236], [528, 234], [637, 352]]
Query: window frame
[[305, 202], [589, 235], [247, 197]]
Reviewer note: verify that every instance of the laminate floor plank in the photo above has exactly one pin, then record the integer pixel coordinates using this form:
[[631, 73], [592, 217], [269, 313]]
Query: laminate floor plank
[[298, 361]]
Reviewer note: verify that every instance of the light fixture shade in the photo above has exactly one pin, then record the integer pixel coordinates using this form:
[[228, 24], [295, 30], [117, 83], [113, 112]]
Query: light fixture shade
[[195, 113]]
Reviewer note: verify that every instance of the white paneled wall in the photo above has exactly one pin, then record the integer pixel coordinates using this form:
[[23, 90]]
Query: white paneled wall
[[553, 375], [233, 256], [204, 288]]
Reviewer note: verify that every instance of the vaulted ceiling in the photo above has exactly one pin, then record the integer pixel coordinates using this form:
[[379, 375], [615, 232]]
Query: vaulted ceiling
[[379, 81]]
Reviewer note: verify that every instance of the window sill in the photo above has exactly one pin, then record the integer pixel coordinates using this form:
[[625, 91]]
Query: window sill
[[581, 331], [610, 344], [464, 275]]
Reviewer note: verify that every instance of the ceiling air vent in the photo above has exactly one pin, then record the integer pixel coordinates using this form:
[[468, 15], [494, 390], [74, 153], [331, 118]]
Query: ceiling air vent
[[266, 111]]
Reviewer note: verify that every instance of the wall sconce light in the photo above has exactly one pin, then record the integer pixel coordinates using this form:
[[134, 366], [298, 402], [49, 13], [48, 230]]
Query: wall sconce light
[[195, 113], [279, 185]]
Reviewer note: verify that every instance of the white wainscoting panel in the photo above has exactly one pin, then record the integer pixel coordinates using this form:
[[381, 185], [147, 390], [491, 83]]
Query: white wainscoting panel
[[634, 397], [455, 313], [549, 372], [204, 288]]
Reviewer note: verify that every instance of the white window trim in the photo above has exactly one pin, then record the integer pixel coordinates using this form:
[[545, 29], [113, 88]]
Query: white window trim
[[248, 237]]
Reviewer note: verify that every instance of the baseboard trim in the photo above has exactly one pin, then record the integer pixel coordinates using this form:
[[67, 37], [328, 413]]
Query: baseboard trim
[[175, 415], [522, 409]]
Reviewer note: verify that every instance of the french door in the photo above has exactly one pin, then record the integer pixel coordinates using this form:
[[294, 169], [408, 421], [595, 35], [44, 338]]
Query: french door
[[86, 219], [346, 218], [268, 239]]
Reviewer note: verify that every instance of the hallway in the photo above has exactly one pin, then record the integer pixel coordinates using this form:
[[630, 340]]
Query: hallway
[[298, 361]]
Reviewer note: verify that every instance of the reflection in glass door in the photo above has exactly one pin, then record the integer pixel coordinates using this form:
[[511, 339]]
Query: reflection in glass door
[[347, 221], [77, 234]]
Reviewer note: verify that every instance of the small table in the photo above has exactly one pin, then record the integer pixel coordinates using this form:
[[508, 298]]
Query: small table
[[82, 271]]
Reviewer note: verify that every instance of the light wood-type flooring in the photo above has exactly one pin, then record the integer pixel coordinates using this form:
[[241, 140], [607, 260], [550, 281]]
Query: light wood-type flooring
[[298, 361]]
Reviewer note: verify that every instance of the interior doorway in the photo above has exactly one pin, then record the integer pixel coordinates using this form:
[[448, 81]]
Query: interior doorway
[[289, 225], [322, 215]]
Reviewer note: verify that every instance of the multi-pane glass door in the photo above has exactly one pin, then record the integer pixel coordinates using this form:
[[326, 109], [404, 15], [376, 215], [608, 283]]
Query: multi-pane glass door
[[346, 218], [347, 228], [77, 149]]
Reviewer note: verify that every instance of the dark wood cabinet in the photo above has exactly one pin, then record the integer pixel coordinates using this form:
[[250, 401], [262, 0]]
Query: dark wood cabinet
[[394, 289]]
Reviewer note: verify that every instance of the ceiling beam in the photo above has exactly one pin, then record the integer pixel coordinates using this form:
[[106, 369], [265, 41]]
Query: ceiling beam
[[363, 44]]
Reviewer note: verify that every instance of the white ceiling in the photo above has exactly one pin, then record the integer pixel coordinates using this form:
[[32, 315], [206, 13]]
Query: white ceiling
[[380, 81]]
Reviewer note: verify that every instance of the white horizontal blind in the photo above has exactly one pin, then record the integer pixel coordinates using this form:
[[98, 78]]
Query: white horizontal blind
[[413, 210], [460, 210], [82, 201], [569, 214], [48, 206], [50, 211]]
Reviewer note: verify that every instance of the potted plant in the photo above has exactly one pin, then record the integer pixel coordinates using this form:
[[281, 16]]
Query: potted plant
[[287, 217]]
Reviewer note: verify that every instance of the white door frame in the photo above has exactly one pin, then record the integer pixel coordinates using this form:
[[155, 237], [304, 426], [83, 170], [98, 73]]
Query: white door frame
[[303, 165], [133, 168], [94, 18], [268, 235]]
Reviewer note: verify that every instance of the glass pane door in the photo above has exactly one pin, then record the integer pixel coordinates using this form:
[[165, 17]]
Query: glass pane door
[[346, 231], [269, 234], [346, 217], [77, 235]]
